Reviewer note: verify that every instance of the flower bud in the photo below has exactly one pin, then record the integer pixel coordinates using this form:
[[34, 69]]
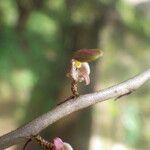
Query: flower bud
[[60, 145]]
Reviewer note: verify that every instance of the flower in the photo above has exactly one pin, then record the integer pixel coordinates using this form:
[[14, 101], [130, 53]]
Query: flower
[[79, 71], [60, 145]]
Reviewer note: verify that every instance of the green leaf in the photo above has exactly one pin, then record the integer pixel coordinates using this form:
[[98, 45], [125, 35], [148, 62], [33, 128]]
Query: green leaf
[[87, 55]]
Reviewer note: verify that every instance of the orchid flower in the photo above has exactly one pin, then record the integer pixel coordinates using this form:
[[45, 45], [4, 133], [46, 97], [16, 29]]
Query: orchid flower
[[80, 69]]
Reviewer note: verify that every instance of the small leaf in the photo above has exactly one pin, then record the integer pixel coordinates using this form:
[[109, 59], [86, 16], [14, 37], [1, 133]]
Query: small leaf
[[87, 55]]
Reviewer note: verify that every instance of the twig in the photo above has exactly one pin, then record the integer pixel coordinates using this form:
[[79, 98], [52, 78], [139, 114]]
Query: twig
[[74, 90], [25, 145], [41, 141], [37, 125], [44, 143]]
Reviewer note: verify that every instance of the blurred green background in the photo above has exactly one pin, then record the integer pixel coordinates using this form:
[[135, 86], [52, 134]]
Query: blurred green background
[[37, 39]]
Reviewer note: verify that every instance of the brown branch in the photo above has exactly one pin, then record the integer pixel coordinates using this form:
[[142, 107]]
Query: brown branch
[[37, 125]]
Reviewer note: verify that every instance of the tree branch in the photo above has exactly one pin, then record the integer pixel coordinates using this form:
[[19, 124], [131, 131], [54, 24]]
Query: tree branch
[[37, 125]]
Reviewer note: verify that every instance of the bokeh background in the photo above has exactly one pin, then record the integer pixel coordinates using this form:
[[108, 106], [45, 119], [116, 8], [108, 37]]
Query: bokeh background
[[37, 39]]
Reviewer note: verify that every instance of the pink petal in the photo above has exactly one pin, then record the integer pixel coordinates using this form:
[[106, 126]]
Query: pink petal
[[84, 72], [58, 143], [86, 78]]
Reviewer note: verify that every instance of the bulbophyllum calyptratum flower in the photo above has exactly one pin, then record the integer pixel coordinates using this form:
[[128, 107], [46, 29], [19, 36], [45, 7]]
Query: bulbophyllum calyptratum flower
[[60, 145], [80, 69]]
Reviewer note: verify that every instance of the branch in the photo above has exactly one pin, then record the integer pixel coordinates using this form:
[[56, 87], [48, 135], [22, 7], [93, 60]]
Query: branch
[[37, 125]]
